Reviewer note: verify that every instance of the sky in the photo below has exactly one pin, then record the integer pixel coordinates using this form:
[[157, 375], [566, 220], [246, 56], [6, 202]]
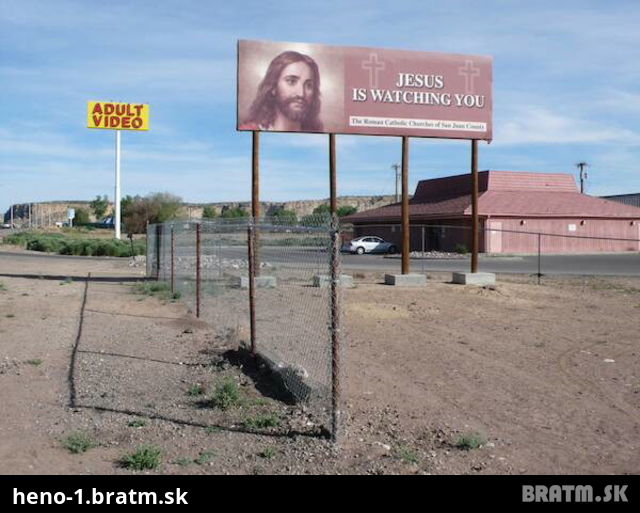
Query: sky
[[566, 78]]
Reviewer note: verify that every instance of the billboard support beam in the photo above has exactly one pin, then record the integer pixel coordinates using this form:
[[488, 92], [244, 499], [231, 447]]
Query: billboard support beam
[[333, 201], [474, 206], [335, 305], [198, 267], [255, 198], [405, 205]]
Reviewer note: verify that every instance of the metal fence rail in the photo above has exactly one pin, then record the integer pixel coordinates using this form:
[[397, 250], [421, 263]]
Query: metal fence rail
[[440, 247]]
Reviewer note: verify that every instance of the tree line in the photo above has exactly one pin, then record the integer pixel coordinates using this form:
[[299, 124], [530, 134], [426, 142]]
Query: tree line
[[138, 211]]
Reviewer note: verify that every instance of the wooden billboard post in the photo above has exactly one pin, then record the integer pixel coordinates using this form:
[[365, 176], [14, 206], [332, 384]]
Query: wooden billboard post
[[405, 206], [474, 206], [334, 320]]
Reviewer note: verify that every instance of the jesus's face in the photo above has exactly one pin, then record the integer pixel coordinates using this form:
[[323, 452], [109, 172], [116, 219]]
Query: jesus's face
[[295, 91]]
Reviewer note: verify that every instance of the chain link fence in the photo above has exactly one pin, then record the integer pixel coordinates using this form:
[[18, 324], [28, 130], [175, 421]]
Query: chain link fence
[[292, 322], [447, 247]]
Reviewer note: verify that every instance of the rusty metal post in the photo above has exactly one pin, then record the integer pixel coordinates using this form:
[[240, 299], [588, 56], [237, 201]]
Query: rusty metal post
[[198, 278], [474, 206], [252, 286], [333, 200], [158, 249], [336, 390], [255, 198], [423, 247], [146, 249], [173, 262], [334, 299], [405, 205], [539, 262]]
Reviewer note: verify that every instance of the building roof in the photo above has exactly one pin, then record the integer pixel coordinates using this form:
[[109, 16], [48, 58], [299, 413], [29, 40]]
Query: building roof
[[501, 193]]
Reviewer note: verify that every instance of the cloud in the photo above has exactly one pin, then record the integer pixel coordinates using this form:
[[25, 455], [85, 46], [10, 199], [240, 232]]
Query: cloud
[[535, 125]]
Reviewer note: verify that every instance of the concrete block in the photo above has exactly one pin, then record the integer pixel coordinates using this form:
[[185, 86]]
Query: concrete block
[[262, 282], [324, 280], [405, 280], [478, 279]]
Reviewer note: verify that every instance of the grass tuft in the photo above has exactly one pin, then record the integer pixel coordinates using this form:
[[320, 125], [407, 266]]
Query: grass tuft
[[262, 421], [35, 361], [407, 454], [226, 395], [145, 457], [205, 457], [195, 390], [267, 453], [138, 423], [470, 441], [78, 442]]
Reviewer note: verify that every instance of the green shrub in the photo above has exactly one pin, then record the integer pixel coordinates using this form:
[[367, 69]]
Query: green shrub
[[461, 248], [226, 395], [158, 289], [471, 441], [195, 390], [267, 453], [407, 454], [72, 244], [262, 422], [78, 442], [205, 457], [145, 457]]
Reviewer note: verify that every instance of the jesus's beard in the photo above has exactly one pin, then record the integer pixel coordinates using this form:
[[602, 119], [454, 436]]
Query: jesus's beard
[[294, 109]]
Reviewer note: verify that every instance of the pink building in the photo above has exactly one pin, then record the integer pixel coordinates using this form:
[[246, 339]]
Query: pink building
[[513, 208]]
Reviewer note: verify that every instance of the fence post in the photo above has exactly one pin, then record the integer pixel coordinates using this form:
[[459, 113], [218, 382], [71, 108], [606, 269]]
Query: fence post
[[198, 237], [252, 285], [539, 257], [335, 331], [173, 262], [158, 249], [146, 248], [423, 248]]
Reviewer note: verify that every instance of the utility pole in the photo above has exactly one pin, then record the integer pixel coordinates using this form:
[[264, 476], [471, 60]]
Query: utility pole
[[583, 174], [397, 168]]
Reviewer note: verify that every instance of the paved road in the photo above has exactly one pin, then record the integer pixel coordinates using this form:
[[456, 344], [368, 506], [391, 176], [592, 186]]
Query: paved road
[[614, 264]]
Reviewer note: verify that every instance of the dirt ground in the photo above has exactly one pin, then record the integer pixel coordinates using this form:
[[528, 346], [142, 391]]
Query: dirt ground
[[546, 378]]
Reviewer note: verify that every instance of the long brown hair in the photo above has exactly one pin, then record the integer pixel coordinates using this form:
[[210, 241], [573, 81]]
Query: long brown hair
[[263, 108]]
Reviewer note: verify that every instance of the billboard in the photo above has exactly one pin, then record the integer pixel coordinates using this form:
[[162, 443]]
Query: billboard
[[117, 116], [299, 87]]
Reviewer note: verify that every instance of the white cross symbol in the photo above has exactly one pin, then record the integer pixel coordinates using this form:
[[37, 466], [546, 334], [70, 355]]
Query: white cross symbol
[[469, 73], [373, 65]]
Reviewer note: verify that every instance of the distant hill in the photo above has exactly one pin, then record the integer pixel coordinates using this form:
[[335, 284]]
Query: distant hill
[[50, 212]]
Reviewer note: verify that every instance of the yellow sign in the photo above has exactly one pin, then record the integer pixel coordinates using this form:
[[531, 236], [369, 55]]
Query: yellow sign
[[118, 116]]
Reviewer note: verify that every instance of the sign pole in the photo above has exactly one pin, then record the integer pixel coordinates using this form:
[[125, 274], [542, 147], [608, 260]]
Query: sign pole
[[405, 205], [252, 247], [255, 198], [117, 193], [335, 305], [474, 206]]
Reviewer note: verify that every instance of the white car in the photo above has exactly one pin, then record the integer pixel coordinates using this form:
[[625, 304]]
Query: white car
[[369, 244]]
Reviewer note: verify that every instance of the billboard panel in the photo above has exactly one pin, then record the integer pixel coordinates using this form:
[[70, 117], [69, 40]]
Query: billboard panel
[[299, 87], [117, 116]]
